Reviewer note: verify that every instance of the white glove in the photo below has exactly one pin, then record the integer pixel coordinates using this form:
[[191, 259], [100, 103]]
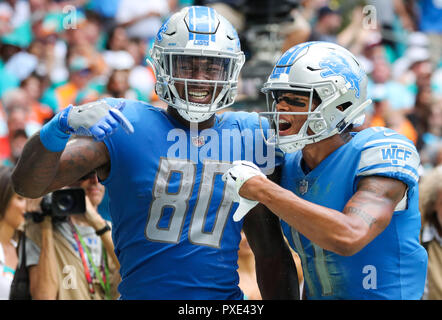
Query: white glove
[[235, 177], [96, 119]]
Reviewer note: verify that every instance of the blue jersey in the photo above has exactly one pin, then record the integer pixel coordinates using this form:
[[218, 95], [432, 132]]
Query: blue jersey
[[172, 218], [393, 265]]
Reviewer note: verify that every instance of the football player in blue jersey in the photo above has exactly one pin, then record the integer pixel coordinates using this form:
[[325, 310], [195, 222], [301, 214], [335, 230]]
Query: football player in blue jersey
[[348, 201], [173, 230]]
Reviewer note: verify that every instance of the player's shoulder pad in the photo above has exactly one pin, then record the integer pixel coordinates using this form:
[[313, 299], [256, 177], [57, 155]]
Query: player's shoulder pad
[[388, 153]]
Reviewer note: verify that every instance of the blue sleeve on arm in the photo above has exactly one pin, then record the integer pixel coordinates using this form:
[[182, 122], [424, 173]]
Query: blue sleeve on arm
[[52, 137]]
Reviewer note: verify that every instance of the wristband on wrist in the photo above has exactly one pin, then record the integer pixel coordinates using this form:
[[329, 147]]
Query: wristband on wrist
[[52, 136], [102, 231]]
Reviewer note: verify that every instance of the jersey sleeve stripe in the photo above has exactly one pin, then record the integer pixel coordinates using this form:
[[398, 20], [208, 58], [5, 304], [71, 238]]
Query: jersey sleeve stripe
[[388, 170], [389, 141]]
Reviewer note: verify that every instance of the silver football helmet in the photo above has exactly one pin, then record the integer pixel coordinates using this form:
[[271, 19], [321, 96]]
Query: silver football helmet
[[323, 71], [197, 59]]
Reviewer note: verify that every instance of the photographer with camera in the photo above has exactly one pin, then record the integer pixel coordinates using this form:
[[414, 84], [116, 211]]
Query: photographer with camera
[[69, 249]]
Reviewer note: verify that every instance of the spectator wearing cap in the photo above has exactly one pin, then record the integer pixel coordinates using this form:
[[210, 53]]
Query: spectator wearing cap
[[355, 36], [327, 25]]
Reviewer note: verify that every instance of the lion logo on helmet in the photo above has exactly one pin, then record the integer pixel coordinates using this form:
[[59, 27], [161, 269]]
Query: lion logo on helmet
[[162, 30], [336, 65]]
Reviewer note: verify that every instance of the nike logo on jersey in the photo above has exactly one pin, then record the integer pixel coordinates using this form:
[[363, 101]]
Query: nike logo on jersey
[[387, 134]]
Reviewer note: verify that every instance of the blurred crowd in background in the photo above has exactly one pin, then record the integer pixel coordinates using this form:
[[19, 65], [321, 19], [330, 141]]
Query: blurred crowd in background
[[56, 53]]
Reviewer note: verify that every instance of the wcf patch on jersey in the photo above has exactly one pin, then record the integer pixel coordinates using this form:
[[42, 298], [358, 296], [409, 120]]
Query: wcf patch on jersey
[[396, 155]]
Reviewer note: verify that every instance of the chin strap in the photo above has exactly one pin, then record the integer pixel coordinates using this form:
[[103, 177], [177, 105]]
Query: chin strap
[[194, 116]]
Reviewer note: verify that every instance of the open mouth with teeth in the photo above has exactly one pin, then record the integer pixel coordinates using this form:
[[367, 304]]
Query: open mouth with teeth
[[284, 127], [200, 96]]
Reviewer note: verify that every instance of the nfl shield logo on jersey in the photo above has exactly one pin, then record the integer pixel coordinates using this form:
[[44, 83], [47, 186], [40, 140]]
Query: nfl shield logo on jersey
[[198, 141], [303, 187]]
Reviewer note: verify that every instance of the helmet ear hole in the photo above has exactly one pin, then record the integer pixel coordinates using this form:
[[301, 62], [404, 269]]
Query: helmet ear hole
[[344, 106], [316, 99]]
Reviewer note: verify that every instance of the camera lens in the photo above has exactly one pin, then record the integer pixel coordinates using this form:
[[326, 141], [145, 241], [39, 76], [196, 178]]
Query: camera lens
[[65, 203]]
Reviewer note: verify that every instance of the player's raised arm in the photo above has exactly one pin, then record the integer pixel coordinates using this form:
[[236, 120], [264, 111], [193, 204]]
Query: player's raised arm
[[48, 162], [365, 216]]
